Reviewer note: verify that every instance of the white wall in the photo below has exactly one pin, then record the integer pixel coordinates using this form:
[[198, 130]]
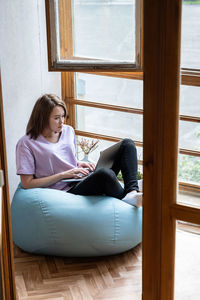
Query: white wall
[[24, 69]]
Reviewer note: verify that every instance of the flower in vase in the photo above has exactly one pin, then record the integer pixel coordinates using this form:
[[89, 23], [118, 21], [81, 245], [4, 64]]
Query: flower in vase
[[87, 146]]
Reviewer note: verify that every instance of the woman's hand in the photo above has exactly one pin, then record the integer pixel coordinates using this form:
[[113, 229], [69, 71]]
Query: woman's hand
[[75, 173], [84, 164]]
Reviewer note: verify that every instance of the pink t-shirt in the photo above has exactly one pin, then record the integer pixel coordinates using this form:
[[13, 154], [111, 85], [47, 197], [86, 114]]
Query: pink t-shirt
[[42, 158]]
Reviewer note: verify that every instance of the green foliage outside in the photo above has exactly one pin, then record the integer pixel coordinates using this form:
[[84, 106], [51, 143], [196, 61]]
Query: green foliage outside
[[189, 168], [191, 1], [119, 176], [139, 175]]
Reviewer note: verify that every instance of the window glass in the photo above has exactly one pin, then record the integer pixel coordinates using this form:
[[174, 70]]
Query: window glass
[[190, 100], [104, 29], [189, 169], [189, 135], [109, 90], [108, 122], [189, 138], [190, 36]]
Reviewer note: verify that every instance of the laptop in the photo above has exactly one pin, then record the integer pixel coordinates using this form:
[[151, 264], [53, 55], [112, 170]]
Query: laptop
[[106, 160]]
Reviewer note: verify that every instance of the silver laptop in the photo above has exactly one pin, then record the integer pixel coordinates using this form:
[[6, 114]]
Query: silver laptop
[[106, 160]]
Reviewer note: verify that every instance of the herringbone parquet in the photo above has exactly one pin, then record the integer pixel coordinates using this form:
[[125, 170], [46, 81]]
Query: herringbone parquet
[[113, 277], [54, 278]]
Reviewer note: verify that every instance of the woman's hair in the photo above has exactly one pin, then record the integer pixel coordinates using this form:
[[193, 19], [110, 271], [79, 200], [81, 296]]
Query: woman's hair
[[42, 109]]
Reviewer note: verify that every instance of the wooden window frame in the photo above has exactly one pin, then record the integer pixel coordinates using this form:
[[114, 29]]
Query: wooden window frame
[[73, 63]]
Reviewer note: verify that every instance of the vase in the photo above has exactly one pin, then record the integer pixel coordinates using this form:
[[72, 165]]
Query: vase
[[86, 158]]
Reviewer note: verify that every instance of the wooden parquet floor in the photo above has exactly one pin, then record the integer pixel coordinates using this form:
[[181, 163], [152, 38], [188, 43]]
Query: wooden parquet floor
[[116, 277], [55, 278]]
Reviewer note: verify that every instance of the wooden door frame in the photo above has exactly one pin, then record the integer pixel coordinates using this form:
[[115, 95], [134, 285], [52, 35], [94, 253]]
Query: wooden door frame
[[162, 37], [7, 258], [162, 24]]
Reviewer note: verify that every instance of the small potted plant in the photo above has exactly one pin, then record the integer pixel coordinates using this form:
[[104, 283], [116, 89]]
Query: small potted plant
[[139, 178]]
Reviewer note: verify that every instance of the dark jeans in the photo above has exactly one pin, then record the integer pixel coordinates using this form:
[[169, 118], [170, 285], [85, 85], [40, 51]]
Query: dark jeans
[[104, 180]]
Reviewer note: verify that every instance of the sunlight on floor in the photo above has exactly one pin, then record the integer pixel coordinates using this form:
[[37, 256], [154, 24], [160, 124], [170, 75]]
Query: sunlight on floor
[[187, 262], [187, 271]]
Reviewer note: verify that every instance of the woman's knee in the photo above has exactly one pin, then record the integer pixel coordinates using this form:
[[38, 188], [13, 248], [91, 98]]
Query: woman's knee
[[105, 173], [128, 142]]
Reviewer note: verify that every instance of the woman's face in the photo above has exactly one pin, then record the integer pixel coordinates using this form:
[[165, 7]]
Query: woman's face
[[56, 119]]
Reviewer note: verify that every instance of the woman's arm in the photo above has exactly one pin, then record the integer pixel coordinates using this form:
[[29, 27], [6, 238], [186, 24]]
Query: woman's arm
[[28, 181]]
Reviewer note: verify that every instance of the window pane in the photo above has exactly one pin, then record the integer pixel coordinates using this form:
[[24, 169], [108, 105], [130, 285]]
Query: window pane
[[189, 135], [104, 29], [107, 122], [189, 169], [109, 90], [187, 271], [189, 198], [190, 100], [190, 41]]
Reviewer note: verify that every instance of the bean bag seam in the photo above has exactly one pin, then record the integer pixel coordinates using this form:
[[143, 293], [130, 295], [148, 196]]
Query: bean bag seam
[[116, 224], [114, 240]]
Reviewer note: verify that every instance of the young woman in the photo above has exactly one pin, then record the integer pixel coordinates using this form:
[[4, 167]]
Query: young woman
[[47, 154]]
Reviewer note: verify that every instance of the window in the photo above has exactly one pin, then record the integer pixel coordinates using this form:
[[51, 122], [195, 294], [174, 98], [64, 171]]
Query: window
[[106, 104], [94, 34]]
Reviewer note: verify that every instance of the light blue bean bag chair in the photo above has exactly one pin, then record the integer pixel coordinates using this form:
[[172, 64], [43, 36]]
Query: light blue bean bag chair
[[52, 222]]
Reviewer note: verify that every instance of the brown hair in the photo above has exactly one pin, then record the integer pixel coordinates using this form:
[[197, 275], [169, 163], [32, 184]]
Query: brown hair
[[42, 109]]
